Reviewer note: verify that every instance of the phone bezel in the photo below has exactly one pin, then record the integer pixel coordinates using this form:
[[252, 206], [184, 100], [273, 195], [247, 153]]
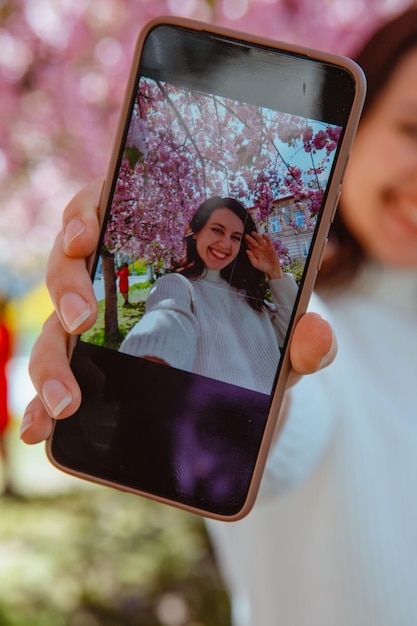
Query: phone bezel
[[275, 419]]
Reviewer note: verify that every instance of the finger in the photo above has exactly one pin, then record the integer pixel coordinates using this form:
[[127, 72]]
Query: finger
[[252, 258], [250, 242], [36, 425], [313, 346], [254, 238], [67, 277], [80, 224], [266, 240], [50, 371], [71, 290]]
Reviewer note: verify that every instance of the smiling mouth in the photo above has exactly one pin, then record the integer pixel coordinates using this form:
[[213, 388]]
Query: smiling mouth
[[220, 256], [404, 208]]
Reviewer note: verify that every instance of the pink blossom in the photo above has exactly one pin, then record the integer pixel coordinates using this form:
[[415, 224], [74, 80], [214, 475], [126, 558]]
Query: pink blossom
[[288, 131], [62, 81], [320, 140], [307, 133], [333, 133]]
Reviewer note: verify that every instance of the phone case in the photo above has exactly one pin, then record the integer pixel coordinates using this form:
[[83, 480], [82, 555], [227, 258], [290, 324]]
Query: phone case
[[209, 455]]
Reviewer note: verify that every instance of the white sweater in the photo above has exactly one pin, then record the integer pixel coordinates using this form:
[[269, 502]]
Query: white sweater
[[332, 540], [207, 327]]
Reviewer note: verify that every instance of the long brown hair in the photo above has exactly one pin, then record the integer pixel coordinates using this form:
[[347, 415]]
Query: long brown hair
[[240, 273], [378, 58]]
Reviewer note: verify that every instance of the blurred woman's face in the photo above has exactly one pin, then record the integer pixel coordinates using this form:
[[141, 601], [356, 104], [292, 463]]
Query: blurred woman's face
[[218, 242], [379, 194]]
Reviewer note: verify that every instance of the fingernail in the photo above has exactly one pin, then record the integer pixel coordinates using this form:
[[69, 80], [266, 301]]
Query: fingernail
[[328, 358], [73, 229], [56, 397], [27, 422], [74, 310]]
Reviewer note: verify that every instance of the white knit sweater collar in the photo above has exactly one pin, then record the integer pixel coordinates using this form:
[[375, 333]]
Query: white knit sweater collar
[[213, 276], [391, 286]]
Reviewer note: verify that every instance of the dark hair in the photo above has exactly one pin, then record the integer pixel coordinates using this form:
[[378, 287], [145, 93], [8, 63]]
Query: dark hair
[[378, 58], [240, 273]]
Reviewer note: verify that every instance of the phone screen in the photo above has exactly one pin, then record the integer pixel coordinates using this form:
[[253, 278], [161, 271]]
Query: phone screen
[[224, 163]]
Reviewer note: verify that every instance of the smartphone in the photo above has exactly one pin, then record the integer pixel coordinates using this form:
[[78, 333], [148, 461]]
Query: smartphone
[[221, 188]]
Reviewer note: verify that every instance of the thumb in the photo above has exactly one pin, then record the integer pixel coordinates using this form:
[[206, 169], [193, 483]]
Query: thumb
[[313, 346]]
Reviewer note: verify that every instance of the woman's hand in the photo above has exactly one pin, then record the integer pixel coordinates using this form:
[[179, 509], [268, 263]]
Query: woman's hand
[[263, 256], [69, 283], [67, 277], [72, 294]]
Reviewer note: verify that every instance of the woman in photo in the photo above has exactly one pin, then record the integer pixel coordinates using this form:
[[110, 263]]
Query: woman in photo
[[332, 537], [210, 315]]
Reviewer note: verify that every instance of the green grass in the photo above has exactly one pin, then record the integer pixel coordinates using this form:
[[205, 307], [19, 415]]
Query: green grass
[[127, 316], [99, 557]]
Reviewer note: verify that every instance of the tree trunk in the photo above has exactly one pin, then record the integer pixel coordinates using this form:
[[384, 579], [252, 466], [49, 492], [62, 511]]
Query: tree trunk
[[150, 275], [111, 324]]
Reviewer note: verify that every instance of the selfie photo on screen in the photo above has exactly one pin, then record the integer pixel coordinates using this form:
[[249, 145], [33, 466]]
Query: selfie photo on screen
[[221, 188], [213, 214]]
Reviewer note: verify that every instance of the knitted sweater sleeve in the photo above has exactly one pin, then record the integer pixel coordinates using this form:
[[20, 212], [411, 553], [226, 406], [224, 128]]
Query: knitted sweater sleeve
[[284, 292], [308, 428], [168, 329]]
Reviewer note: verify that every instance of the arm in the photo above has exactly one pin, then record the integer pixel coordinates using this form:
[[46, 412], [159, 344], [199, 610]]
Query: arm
[[284, 292], [70, 286], [310, 421], [167, 333], [284, 289]]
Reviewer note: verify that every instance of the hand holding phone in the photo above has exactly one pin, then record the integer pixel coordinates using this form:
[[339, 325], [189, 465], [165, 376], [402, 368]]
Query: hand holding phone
[[234, 144]]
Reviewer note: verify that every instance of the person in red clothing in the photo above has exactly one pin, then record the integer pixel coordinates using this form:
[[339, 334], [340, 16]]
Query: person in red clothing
[[5, 354], [123, 274]]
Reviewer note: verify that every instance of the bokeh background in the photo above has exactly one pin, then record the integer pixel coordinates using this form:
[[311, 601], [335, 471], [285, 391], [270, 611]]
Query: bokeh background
[[71, 553]]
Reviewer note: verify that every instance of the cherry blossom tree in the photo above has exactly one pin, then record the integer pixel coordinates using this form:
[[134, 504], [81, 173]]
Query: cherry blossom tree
[[184, 146], [196, 145], [63, 68]]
